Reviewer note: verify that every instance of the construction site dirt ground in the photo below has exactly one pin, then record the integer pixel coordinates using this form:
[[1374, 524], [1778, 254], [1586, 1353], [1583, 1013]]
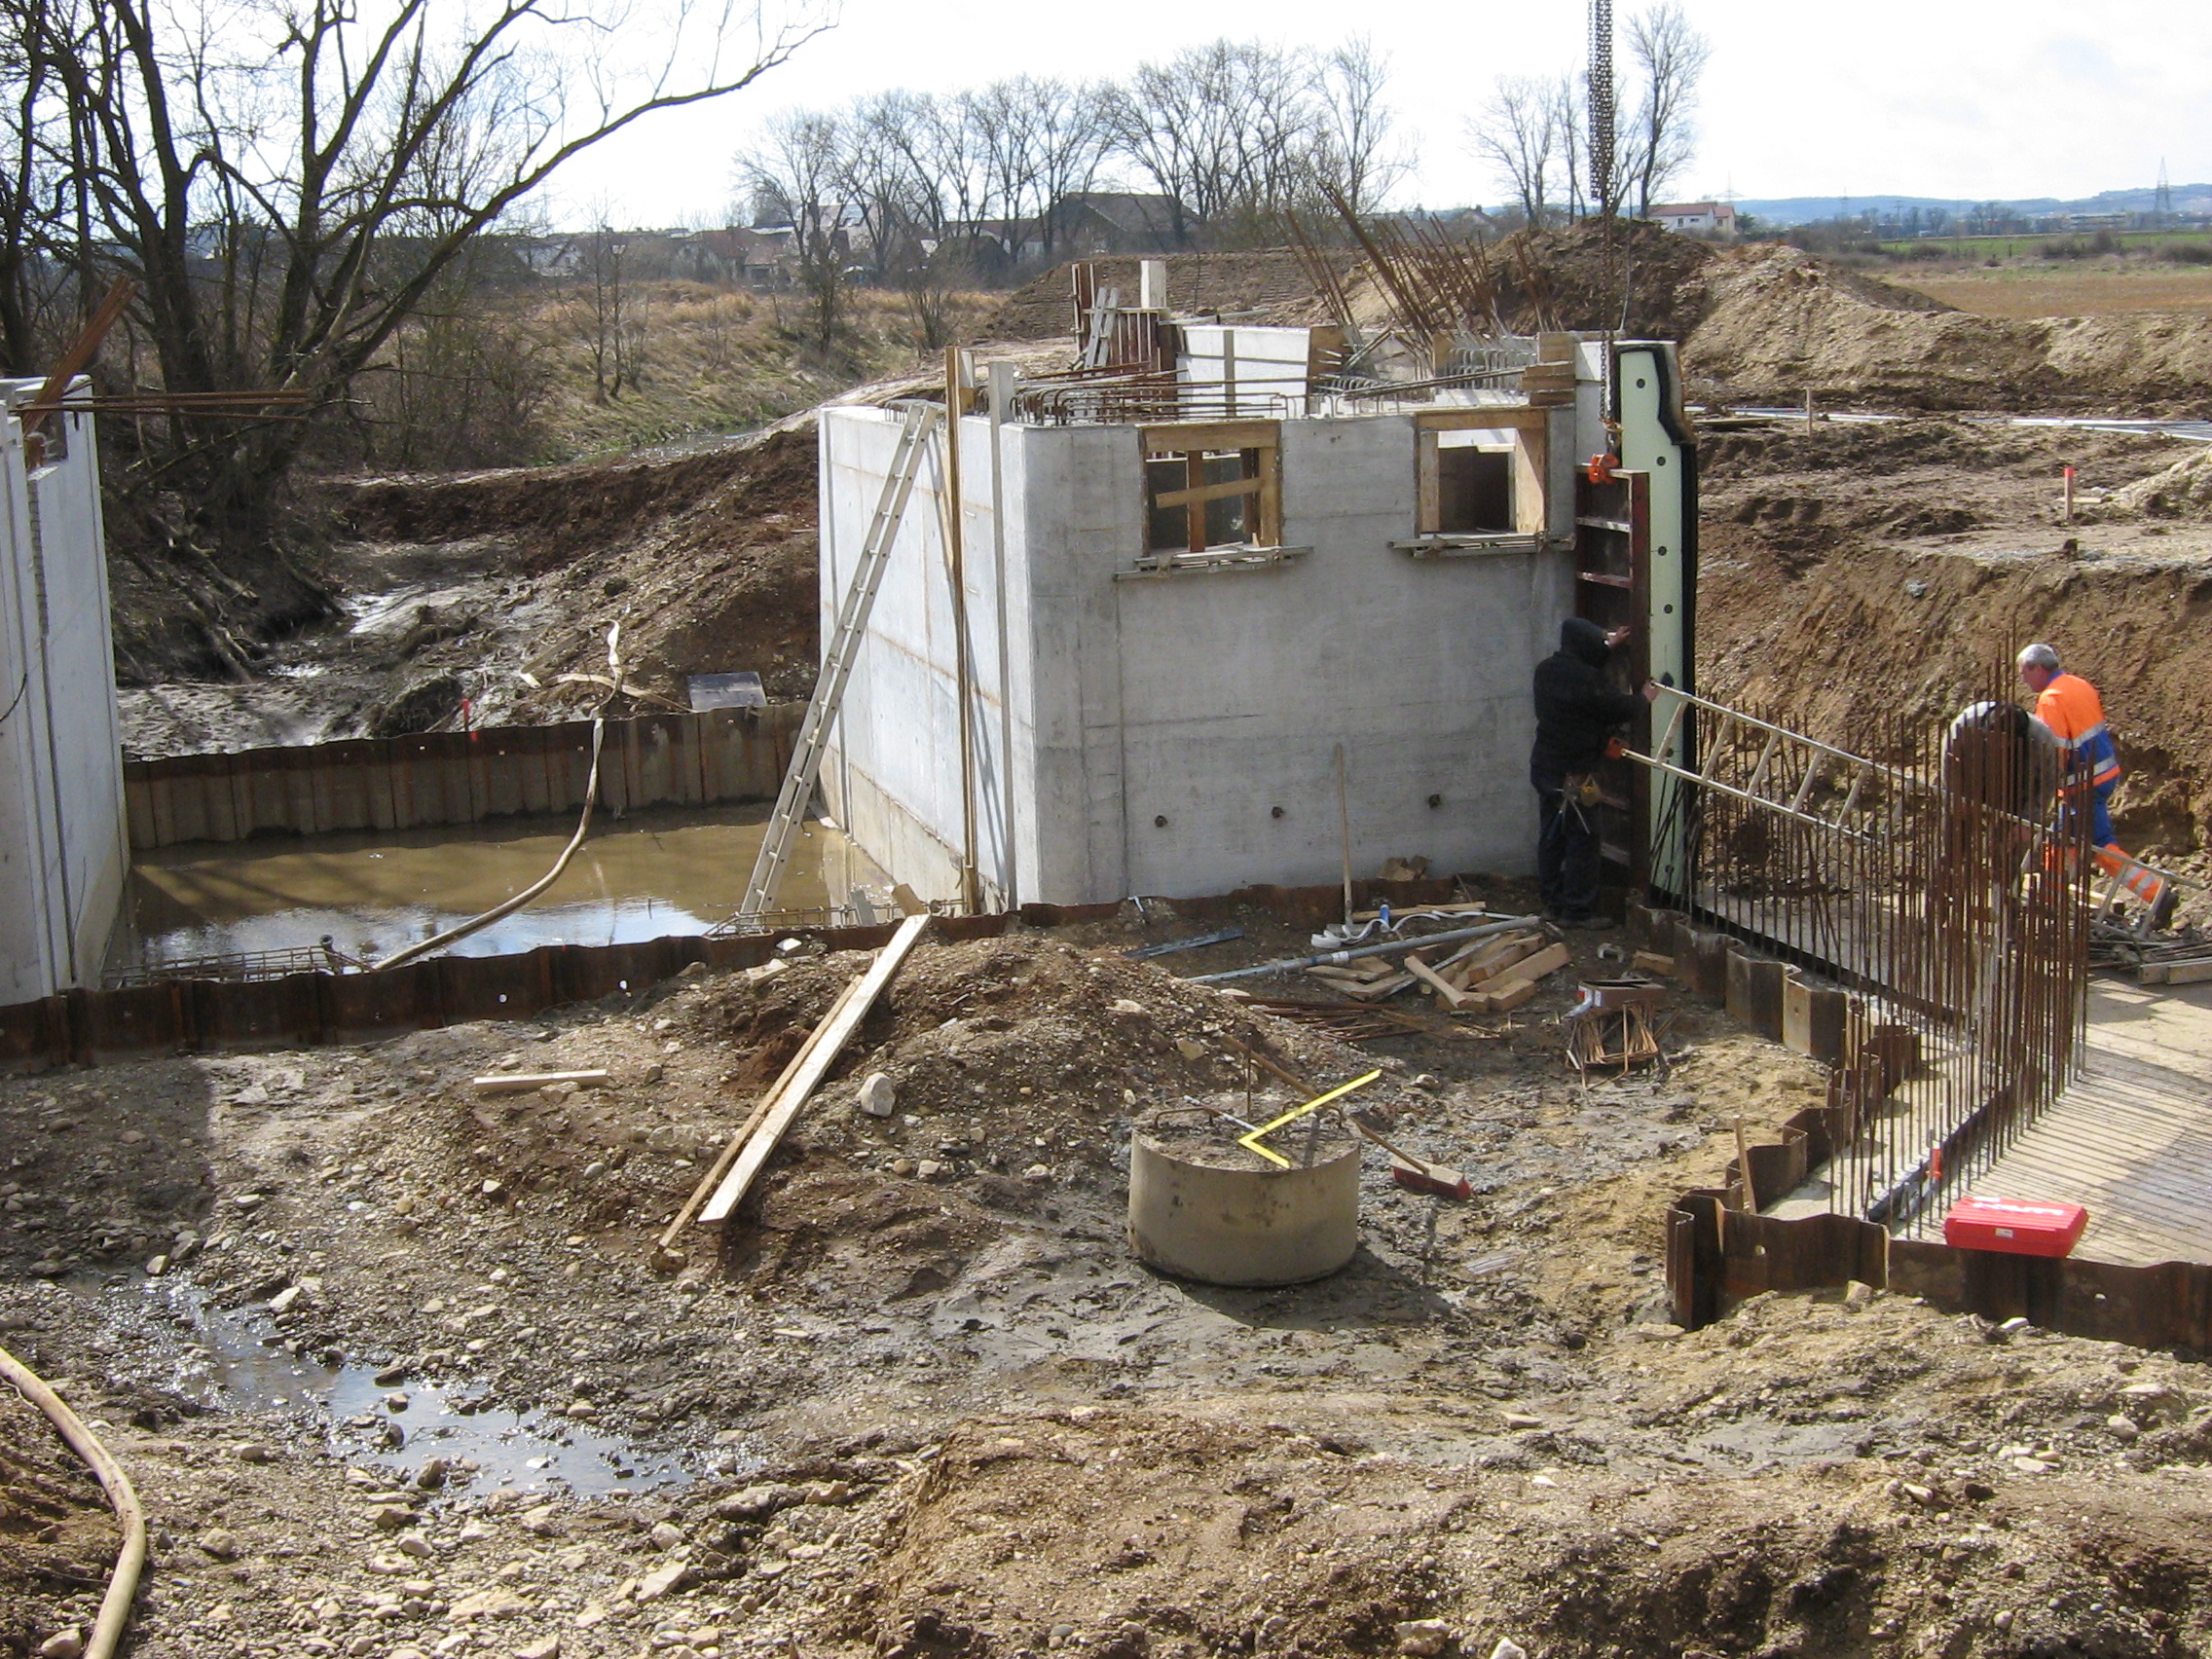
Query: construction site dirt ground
[[928, 1404], [926, 1401]]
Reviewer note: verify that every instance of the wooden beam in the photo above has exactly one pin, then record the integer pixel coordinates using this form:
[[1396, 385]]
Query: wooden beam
[[1483, 420], [666, 1257], [1202, 492], [1428, 484], [799, 1083], [1215, 436]]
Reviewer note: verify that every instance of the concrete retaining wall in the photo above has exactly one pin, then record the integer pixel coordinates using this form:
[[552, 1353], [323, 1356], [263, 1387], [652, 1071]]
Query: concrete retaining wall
[[452, 777], [63, 853]]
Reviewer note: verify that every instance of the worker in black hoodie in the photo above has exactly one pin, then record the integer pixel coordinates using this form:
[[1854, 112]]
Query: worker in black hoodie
[[1577, 710]]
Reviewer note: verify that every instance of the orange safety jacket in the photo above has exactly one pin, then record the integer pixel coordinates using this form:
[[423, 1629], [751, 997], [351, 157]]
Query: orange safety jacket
[[2076, 715]]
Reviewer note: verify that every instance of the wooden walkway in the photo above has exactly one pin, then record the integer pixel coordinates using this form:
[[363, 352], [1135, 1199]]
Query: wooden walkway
[[2133, 1140]]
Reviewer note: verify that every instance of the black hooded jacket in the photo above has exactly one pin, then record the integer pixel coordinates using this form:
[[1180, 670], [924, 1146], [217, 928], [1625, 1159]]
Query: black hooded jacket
[[1577, 708]]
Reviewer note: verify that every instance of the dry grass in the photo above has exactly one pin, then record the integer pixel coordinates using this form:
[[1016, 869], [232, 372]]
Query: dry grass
[[718, 360], [2033, 291]]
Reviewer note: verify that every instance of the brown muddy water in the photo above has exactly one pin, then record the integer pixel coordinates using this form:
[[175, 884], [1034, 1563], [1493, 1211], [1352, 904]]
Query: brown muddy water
[[663, 870]]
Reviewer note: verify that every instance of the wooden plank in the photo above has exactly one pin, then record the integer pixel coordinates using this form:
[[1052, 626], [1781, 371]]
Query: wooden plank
[[522, 1083], [1217, 437], [1428, 484], [666, 1258], [828, 1043], [1484, 420], [1207, 493], [1510, 990], [1447, 992], [1374, 990]]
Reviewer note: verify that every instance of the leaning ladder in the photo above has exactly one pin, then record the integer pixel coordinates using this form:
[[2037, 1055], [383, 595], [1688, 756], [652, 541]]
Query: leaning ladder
[[838, 662]]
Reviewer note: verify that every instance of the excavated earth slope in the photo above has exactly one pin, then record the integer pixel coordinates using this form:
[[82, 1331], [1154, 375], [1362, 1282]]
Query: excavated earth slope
[[1899, 565]]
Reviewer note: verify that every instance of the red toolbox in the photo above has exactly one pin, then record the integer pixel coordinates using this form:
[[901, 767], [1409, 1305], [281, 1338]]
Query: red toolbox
[[2025, 1227]]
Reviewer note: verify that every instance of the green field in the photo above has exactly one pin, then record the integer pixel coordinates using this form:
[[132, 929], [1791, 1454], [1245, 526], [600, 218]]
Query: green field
[[2031, 246]]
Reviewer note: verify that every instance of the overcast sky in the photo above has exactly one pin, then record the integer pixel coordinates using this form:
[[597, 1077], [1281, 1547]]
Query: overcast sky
[[1920, 97]]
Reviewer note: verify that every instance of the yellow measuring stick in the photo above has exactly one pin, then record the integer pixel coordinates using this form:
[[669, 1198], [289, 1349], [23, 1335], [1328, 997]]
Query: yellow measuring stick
[[1251, 1142]]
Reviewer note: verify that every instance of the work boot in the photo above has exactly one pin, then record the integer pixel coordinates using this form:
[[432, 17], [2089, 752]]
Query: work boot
[[2163, 906]]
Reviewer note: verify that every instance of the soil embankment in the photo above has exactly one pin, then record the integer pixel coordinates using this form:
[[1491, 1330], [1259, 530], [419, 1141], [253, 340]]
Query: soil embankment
[[1775, 323], [1897, 567]]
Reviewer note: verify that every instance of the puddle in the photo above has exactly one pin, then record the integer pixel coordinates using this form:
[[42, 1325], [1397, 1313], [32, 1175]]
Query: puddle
[[230, 1361], [664, 870]]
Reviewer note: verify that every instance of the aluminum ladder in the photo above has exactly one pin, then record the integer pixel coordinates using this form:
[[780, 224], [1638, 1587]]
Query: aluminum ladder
[[853, 612]]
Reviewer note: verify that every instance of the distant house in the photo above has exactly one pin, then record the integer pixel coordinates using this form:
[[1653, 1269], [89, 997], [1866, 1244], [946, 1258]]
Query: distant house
[[1096, 222], [1696, 218]]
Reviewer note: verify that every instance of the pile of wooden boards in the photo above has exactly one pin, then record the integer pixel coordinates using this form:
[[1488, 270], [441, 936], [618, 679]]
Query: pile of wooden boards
[[1484, 975]]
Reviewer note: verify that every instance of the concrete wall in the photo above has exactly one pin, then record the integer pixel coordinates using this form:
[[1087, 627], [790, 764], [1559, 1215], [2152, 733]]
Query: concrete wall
[[892, 773], [63, 854], [1175, 734]]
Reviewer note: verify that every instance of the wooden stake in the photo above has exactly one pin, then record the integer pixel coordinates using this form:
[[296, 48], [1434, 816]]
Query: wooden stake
[[955, 397], [1746, 1200]]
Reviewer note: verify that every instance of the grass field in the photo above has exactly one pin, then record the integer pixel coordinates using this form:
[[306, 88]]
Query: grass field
[[2032, 247], [2029, 291]]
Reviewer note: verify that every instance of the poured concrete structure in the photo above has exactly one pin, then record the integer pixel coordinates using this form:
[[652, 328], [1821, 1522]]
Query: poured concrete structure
[[1154, 724], [63, 850]]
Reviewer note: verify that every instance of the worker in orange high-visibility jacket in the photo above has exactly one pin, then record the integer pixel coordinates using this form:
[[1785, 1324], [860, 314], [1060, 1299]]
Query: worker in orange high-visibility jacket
[[2070, 706]]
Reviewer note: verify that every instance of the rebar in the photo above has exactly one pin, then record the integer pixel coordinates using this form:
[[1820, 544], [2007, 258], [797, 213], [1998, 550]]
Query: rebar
[[1936, 869]]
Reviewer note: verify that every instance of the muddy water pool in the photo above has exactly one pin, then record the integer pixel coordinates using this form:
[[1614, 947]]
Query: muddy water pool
[[237, 1361], [663, 870]]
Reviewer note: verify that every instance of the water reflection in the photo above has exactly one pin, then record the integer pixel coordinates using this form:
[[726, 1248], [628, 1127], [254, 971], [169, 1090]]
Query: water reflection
[[664, 870]]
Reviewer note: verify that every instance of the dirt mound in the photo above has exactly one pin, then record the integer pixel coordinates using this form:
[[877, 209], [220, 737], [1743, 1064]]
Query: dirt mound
[[1271, 286], [2183, 490], [1864, 1476], [1566, 279], [546, 510], [1777, 323], [58, 1538], [1023, 1049]]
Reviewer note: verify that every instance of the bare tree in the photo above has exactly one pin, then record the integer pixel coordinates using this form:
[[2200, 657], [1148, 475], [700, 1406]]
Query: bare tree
[[608, 296], [1353, 148], [798, 175], [289, 183], [1518, 132], [1670, 59], [1071, 139], [1226, 131], [1040, 142]]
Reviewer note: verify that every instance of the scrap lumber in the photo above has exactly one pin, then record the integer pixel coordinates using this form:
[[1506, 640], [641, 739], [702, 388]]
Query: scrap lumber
[[1447, 993], [522, 1083], [1651, 962], [799, 1083], [1502, 954], [1509, 991], [1369, 990]]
